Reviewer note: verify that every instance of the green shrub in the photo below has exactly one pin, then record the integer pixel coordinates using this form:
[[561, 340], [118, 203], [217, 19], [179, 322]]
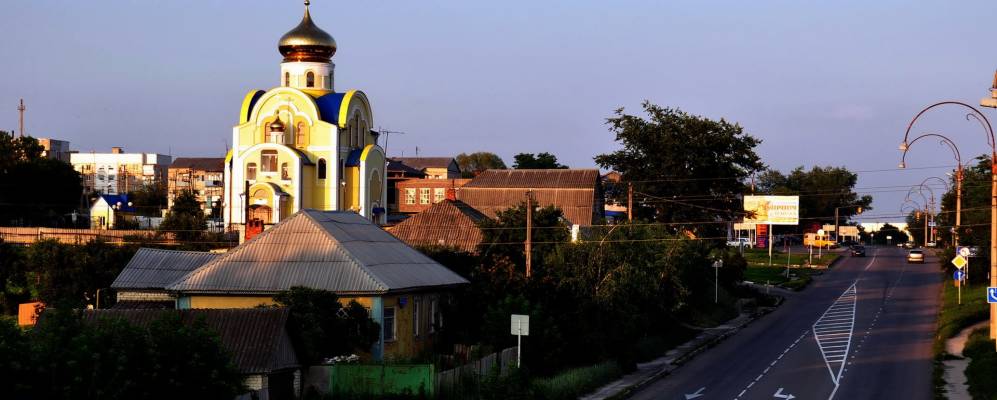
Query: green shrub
[[575, 382]]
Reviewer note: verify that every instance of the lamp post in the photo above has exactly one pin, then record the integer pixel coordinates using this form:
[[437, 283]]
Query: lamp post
[[923, 208], [989, 132], [948, 187], [836, 240], [905, 147]]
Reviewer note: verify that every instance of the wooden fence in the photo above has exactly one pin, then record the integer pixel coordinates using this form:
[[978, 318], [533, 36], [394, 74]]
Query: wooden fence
[[29, 235], [464, 381]]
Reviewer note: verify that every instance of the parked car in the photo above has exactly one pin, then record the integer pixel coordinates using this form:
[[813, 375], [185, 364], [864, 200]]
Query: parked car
[[915, 256], [930, 244], [858, 251], [739, 242]]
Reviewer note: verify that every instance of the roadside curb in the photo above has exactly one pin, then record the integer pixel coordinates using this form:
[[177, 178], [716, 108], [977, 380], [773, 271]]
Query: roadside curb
[[689, 355]]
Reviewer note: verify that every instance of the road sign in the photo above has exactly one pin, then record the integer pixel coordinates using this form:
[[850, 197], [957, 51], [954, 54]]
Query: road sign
[[964, 251], [958, 275], [520, 324], [992, 295], [959, 261], [931, 223]]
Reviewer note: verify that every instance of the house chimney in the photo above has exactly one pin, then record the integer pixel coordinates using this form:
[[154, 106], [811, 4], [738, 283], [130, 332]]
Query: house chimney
[[117, 150]]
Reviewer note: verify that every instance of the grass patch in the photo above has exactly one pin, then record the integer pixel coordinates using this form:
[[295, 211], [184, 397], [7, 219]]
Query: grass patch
[[760, 257], [952, 318], [983, 367], [575, 382], [798, 277]]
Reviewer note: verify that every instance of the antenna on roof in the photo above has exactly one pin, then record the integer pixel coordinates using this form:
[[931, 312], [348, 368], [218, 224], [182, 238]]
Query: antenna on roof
[[386, 133]]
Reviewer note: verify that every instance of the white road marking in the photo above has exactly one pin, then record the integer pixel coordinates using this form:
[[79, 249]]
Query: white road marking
[[787, 396], [698, 393], [834, 330]]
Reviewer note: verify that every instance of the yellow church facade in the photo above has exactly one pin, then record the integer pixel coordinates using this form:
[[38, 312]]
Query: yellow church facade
[[303, 144]]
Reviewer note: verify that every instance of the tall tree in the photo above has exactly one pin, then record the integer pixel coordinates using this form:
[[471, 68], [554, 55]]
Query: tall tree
[[186, 218], [537, 161], [821, 191], [474, 163], [323, 327], [55, 187], [150, 199], [683, 167]]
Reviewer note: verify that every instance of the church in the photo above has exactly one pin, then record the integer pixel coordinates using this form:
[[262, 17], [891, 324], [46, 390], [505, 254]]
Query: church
[[303, 144]]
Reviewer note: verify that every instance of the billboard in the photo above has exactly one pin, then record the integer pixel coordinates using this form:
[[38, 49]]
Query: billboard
[[773, 210], [762, 240]]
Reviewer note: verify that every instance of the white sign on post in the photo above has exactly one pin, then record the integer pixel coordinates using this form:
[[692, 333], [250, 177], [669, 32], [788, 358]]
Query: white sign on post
[[520, 328], [520, 324]]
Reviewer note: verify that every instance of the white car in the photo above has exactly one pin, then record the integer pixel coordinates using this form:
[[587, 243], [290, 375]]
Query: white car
[[739, 242], [915, 256]]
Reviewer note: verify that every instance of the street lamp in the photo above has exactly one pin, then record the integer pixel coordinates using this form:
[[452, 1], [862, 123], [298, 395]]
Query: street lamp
[[989, 132], [926, 212], [905, 147]]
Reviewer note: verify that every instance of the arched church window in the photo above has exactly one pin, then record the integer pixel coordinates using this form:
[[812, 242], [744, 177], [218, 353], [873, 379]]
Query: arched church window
[[251, 171], [284, 173], [321, 168], [329, 85], [287, 79], [268, 160], [299, 133], [310, 79]]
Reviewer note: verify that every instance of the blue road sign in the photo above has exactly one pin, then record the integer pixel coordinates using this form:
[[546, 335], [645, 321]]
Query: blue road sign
[[958, 275], [992, 295]]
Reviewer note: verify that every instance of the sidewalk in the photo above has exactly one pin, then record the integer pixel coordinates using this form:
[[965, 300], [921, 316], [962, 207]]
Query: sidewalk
[[955, 370], [655, 369]]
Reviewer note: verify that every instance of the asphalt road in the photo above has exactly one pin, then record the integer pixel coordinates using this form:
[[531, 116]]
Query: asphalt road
[[861, 331]]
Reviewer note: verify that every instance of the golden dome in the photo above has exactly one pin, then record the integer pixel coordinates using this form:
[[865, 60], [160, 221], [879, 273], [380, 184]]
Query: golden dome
[[277, 125], [307, 42]]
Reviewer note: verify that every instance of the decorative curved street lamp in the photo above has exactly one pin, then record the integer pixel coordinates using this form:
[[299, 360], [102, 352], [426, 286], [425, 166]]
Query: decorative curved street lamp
[[985, 123]]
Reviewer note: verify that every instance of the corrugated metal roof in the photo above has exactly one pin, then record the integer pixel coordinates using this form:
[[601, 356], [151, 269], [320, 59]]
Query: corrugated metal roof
[[157, 268], [447, 223], [536, 179], [256, 338], [331, 250]]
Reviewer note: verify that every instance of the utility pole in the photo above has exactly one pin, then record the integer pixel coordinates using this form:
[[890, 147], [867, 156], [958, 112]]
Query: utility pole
[[630, 201], [529, 232], [20, 110]]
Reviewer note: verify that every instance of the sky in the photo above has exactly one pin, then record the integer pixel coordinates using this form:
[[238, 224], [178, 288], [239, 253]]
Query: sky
[[821, 83]]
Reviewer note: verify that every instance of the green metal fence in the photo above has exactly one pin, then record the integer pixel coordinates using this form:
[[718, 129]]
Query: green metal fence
[[349, 380]]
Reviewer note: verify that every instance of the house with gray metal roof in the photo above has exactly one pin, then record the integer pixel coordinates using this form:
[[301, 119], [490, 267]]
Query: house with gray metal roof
[[142, 283], [338, 251]]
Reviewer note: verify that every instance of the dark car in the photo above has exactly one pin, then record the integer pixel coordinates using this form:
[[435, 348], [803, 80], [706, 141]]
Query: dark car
[[858, 251]]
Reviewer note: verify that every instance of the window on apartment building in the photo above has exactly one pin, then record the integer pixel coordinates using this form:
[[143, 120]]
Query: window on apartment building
[[424, 196], [432, 315], [310, 79], [284, 173], [268, 161], [389, 324], [438, 195], [322, 168], [251, 171], [416, 321], [409, 196]]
